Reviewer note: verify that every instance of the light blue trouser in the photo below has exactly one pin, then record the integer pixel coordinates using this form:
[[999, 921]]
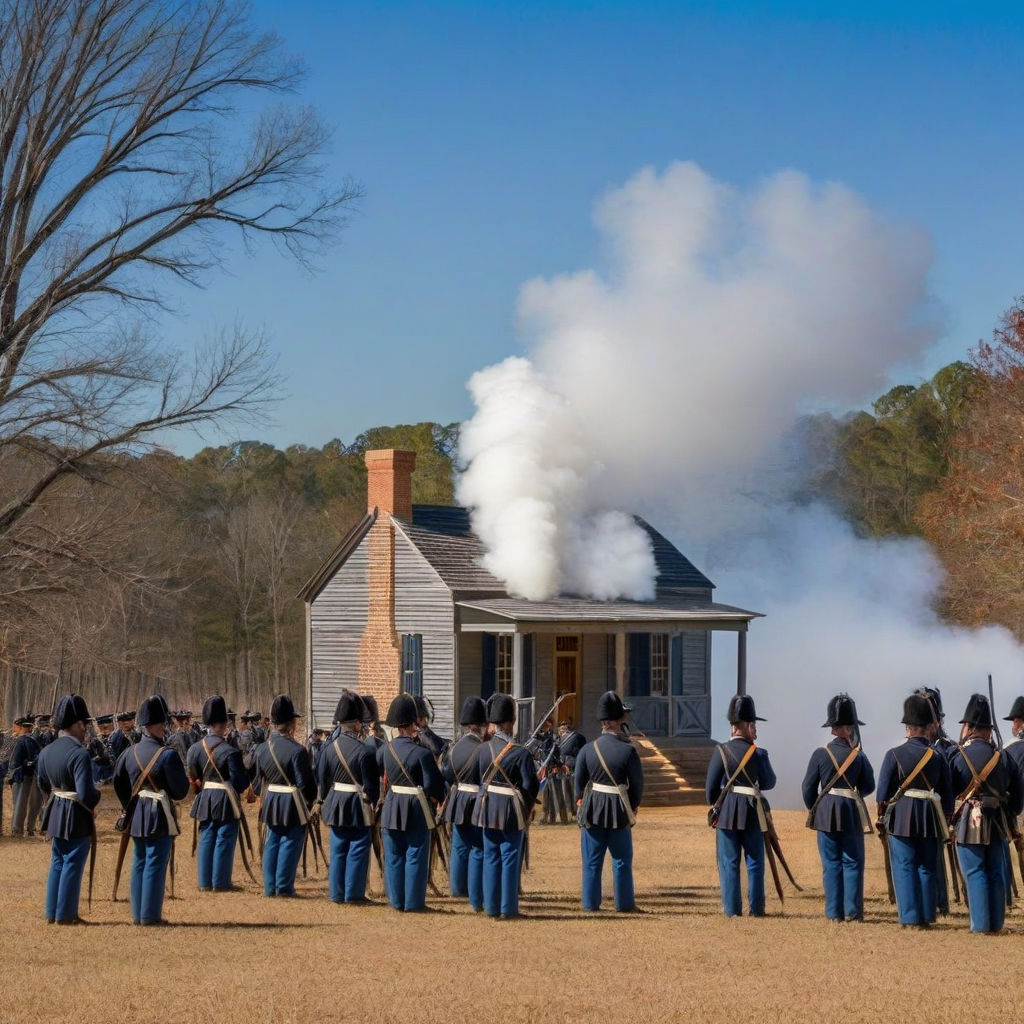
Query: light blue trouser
[[619, 843], [149, 877], [984, 869], [281, 853], [730, 843], [503, 854], [842, 874], [407, 865], [350, 863], [64, 886], [915, 864], [466, 875], [215, 853]]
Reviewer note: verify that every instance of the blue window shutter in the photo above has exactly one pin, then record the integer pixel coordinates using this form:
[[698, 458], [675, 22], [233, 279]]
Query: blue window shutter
[[675, 664], [488, 664], [639, 664], [412, 664], [527, 664]]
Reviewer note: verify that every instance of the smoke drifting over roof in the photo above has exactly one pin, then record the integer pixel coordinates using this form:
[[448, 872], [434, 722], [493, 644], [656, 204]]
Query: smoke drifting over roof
[[668, 383]]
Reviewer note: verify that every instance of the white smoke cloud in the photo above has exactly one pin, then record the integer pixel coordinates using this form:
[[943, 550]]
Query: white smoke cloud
[[681, 368]]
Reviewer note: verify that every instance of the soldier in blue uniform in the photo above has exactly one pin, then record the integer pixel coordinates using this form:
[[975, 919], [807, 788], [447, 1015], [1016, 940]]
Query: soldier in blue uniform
[[6, 746], [738, 774], [315, 745], [991, 795], [181, 737], [838, 778], [609, 785], [221, 783], [121, 738], [27, 796], [413, 785], [570, 742], [288, 784], [65, 777], [436, 744], [462, 773], [937, 732], [43, 733], [349, 782], [915, 798], [508, 791], [99, 751], [1015, 751], [373, 734], [148, 778]]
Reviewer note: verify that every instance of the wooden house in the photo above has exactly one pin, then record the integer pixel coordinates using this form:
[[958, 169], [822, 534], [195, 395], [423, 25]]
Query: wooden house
[[404, 603]]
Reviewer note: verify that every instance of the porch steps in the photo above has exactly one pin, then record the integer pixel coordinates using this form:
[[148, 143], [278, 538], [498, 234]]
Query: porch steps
[[673, 773]]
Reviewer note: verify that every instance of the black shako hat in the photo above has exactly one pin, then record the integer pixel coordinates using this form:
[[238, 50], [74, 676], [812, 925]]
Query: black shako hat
[[1016, 711], [424, 708], [610, 707], [104, 719], [978, 712], [25, 721], [282, 711], [402, 712], [933, 695], [841, 711], [42, 719], [474, 712], [215, 710], [741, 709], [919, 711], [70, 709], [501, 708], [371, 712], [152, 711], [350, 708], [126, 716]]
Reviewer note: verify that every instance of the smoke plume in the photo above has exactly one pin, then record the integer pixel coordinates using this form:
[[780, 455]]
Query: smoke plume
[[668, 382]]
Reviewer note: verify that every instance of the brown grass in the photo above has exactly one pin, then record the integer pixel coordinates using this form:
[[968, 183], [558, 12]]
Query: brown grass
[[241, 957]]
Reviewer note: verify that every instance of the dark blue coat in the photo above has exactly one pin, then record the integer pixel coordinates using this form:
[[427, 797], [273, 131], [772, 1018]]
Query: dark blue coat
[[460, 764], [66, 765], [24, 758], [167, 774], [1001, 793], [437, 745], [516, 768], [279, 808], [569, 747], [737, 809], [605, 810], [400, 810], [180, 740], [118, 743], [837, 813], [344, 810], [910, 817], [1015, 752], [216, 804], [946, 747]]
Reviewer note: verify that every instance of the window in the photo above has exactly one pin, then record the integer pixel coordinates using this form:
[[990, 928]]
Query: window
[[503, 664], [659, 664], [412, 663]]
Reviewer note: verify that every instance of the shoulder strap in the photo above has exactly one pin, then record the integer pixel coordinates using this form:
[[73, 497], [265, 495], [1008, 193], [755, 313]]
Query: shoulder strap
[[277, 763], [400, 763], [604, 763], [140, 781], [343, 762], [460, 775], [977, 778], [918, 768], [209, 757], [496, 765]]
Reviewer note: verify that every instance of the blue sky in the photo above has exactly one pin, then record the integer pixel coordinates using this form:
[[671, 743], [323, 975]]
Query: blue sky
[[483, 133]]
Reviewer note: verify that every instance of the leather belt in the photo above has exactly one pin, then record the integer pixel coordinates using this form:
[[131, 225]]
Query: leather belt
[[161, 798], [467, 787], [744, 791], [346, 787], [848, 793], [275, 787], [65, 794], [600, 787]]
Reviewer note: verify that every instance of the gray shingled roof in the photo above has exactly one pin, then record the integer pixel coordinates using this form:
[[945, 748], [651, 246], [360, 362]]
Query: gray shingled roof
[[574, 609], [444, 537]]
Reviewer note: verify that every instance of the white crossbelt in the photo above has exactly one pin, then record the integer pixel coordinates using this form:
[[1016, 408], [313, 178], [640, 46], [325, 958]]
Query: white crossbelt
[[161, 798], [346, 787], [744, 791], [293, 792], [275, 787], [236, 808], [210, 784], [364, 803], [418, 792], [517, 801], [65, 794], [850, 794], [600, 787], [467, 787]]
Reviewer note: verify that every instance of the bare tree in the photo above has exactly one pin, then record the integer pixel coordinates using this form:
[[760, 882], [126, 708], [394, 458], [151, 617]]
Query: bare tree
[[122, 163]]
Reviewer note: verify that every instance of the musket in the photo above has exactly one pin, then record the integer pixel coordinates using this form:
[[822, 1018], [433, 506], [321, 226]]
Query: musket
[[547, 715], [992, 709], [886, 856], [770, 852], [776, 846]]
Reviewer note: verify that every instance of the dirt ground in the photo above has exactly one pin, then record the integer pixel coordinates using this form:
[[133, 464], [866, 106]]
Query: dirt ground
[[239, 956]]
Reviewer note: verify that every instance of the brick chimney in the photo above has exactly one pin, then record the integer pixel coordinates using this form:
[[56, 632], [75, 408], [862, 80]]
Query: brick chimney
[[389, 491]]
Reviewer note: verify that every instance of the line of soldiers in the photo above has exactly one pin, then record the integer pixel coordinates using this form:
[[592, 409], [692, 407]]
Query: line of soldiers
[[940, 804]]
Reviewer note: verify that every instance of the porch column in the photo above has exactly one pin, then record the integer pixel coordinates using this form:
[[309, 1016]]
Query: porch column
[[620, 664], [741, 661], [517, 683]]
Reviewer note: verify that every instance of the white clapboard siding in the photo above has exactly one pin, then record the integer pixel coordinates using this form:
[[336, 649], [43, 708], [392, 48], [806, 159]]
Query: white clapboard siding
[[424, 605], [337, 621], [696, 664]]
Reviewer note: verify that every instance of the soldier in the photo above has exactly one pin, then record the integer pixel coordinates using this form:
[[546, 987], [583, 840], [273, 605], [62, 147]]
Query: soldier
[[914, 800], [1015, 751], [315, 744], [991, 797], [231, 736], [437, 745], [6, 746], [508, 791], [462, 773], [285, 775], [65, 776], [43, 733], [181, 737], [121, 740], [570, 743], [349, 778], [27, 796], [609, 785], [412, 781], [937, 731], [838, 778], [99, 751], [374, 737], [738, 774], [544, 749], [220, 782], [148, 778]]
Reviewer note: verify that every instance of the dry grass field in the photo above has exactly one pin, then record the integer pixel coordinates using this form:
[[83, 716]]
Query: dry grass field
[[240, 957]]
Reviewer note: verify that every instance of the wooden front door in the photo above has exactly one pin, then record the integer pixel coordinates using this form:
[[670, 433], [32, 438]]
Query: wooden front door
[[567, 677]]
